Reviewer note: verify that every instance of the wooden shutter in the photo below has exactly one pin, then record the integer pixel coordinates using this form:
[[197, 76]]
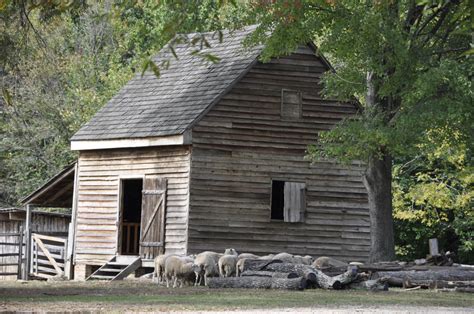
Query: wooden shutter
[[290, 105], [152, 232], [295, 202]]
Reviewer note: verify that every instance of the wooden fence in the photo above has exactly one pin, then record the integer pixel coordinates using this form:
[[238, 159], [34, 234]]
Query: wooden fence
[[11, 254]]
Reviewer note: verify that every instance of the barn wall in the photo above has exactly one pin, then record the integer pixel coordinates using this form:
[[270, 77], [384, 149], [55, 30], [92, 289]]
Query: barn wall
[[97, 210], [243, 143]]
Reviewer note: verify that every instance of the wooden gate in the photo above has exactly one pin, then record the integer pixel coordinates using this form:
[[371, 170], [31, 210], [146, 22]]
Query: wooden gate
[[152, 233], [48, 255]]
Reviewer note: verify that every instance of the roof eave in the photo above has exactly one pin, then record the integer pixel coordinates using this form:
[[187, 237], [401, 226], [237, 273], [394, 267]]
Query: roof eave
[[170, 140]]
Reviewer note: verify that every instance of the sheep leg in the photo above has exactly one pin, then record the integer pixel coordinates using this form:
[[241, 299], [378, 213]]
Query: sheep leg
[[175, 279], [167, 282]]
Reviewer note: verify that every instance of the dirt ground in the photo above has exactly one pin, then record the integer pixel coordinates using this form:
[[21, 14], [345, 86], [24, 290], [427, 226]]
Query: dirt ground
[[139, 296]]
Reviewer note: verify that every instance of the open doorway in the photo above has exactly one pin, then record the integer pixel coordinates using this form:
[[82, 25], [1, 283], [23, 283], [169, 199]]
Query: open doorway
[[130, 213]]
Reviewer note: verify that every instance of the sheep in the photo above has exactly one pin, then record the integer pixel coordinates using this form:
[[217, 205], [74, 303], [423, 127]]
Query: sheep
[[284, 257], [298, 259], [239, 266], [308, 260], [227, 265], [324, 262], [205, 265], [267, 257], [230, 252], [160, 266], [177, 268], [248, 255]]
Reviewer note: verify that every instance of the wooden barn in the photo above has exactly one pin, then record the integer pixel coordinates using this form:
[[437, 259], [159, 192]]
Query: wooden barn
[[212, 155]]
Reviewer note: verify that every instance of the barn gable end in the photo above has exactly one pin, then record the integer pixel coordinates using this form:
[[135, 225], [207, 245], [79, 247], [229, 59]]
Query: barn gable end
[[256, 133]]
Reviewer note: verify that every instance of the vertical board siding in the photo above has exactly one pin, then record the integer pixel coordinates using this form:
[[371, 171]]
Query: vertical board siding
[[40, 223], [97, 211], [243, 143]]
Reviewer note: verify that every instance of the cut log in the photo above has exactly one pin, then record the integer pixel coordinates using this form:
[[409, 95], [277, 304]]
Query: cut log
[[380, 267], [257, 283], [452, 274], [262, 273], [380, 284], [436, 284]]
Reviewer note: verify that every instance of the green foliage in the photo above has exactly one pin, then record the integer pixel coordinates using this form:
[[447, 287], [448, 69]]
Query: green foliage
[[433, 196]]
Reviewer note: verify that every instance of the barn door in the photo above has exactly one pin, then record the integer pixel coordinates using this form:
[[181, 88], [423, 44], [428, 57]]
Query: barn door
[[152, 233]]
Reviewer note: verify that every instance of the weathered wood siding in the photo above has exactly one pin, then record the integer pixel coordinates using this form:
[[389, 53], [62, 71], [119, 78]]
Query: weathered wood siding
[[98, 197], [40, 223], [243, 143]]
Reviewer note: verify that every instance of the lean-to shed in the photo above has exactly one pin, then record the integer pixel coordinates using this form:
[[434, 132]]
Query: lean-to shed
[[212, 155]]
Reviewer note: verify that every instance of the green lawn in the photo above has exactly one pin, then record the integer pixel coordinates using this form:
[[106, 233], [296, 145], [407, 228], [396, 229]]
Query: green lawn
[[135, 295]]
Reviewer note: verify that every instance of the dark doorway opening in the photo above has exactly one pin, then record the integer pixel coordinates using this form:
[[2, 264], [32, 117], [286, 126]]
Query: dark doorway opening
[[278, 199], [131, 213]]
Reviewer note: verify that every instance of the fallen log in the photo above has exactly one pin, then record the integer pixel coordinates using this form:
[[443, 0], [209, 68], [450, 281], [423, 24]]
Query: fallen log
[[312, 275], [466, 290], [255, 282], [442, 274], [436, 284], [380, 267], [379, 284], [263, 273]]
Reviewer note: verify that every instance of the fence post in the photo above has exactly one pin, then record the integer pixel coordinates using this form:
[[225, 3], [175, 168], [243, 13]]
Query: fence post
[[20, 253], [26, 269]]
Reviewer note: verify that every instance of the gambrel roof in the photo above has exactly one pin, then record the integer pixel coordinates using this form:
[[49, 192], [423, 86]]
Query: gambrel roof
[[150, 106]]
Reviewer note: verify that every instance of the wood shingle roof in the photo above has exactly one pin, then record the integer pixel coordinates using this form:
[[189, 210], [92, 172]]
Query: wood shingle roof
[[150, 106]]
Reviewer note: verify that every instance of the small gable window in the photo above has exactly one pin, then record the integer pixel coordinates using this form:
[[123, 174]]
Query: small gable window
[[288, 202], [290, 104]]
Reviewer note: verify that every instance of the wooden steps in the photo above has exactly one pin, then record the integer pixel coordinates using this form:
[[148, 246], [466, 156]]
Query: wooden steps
[[117, 268]]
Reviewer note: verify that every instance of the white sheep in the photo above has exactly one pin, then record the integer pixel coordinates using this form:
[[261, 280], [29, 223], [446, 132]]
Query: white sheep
[[205, 265], [308, 260], [177, 268], [230, 252], [160, 266], [227, 265], [248, 255], [267, 257], [239, 267], [284, 257]]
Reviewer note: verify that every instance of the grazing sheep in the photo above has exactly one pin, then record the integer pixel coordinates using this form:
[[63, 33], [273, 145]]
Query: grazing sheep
[[284, 257], [248, 255], [160, 266], [227, 265], [205, 265], [177, 268]]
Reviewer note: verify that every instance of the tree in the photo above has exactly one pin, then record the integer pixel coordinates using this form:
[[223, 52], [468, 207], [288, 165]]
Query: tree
[[406, 62]]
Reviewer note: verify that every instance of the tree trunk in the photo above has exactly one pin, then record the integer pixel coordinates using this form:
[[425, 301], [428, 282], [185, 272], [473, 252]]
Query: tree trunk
[[257, 283], [378, 181], [447, 274]]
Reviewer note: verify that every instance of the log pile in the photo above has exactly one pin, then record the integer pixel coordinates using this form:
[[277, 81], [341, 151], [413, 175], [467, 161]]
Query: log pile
[[276, 274]]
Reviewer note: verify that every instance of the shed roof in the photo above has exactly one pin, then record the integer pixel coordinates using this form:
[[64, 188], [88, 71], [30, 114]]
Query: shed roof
[[148, 106], [56, 192]]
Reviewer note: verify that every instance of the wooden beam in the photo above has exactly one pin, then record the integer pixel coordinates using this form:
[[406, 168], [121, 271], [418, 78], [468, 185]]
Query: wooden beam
[[182, 139]]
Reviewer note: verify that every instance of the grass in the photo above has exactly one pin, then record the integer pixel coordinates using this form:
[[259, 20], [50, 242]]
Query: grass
[[139, 295]]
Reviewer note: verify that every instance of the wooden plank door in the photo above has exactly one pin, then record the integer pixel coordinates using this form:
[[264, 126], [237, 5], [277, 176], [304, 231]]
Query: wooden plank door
[[152, 231]]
